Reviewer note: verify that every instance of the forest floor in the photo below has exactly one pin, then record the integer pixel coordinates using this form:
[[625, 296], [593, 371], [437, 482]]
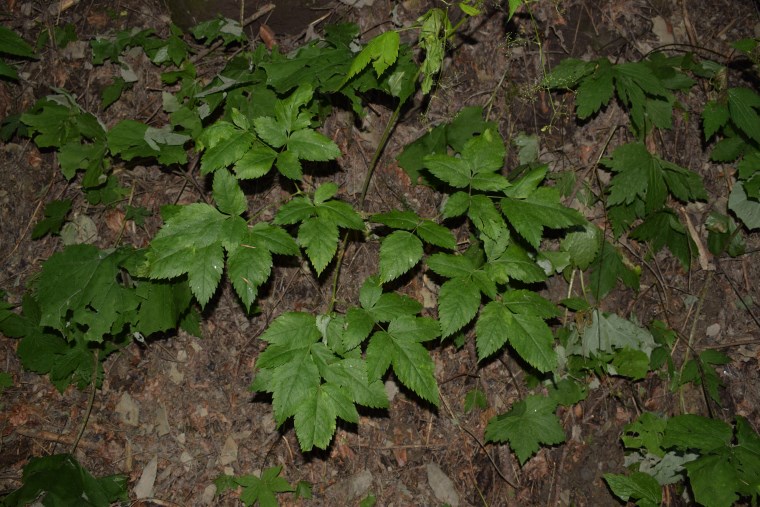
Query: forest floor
[[184, 401]]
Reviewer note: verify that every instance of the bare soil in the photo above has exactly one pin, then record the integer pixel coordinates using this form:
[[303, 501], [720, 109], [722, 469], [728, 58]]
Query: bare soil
[[185, 401]]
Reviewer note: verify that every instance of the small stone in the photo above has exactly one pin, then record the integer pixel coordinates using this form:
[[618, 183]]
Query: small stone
[[442, 486], [127, 410], [713, 330]]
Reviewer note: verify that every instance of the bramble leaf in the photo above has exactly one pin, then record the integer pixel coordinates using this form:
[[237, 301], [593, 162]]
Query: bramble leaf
[[399, 252], [319, 237], [638, 486], [228, 195], [458, 303], [529, 423], [382, 51], [542, 209]]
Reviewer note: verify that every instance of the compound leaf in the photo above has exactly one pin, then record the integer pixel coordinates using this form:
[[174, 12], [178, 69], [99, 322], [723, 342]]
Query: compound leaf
[[319, 237], [458, 303], [399, 252]]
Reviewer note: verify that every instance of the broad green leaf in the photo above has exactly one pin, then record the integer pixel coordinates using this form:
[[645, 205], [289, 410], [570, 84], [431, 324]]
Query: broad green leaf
[[475, 398], [391, 306], [689, 431], [204, 271], [255, 163], [713, 480], [12, 44], [271, 131], [310, 145], [366, 393], [528, 334], [456, 204], [55, 214], [583, 246], [541, 209], [743, 104], [568, 73], [248, 266], [515, 264], [382, 51], [450, 266], [630, 363], [714, 116], [595, 90], [458, 303], [319, 237], [342, 213], [273, 238], [486, 217], [438, 235], [662, 229], [451, 170], [414, 329], [412, 364], [162, 305], [397, 219], [223, 144], [288, 165], [638, 486], [296, 210], [527, 302], [262, 490], [529, 424], [228, 195], [606, 333], [315, 419], [608, 267], [490, 330], [399, 252], [292, 382], [359, 324], [292, 329], [325, 192], [80, 285]]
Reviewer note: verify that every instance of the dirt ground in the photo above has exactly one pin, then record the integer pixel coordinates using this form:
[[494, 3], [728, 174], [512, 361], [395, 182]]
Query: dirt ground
[[184, 401]]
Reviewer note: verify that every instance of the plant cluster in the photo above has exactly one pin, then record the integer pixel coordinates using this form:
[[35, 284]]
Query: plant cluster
[[260, 118]]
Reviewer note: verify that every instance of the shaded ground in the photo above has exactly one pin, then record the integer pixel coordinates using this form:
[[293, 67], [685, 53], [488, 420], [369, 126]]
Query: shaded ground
[[185, 401]]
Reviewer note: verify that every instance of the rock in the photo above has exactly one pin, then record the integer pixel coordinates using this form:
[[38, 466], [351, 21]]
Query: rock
[[442, 486], [144, 486], [127, 410]]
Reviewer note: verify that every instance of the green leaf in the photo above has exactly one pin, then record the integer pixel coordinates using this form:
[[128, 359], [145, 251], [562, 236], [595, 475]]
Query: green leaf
[[595, 90], [162, 305], [475, 398], [130, 139], [608, 333], [255, 163], [289, 166], [438, 235], [319, 237], [60, 480], [310, 145], [689, 431], [55, 214], [529, 424], [583, 246], [315, 419], [262, 490], [249, 266], [223, 144], [542, 209], [397, 219], [663, 229], [296, 210], [228, 195], [325, 192], [12, 44], [271, 131], [399, 253], [411, 362], [608, 267], [273, 238], [342, 213], [390, 306], [382, 51], [568, 73], [743, 104], [80, 285], [714, 116], [515, 264], [458, 303], [630, 363], [638, 486], [451, 266], [713, 480]]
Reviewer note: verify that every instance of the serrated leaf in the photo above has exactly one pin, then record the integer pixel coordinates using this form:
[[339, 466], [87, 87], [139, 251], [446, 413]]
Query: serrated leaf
[[714, 116], [273, 238], [223, 144], [80, 285], [296, 210], [527, 302], [630, 363], [606, 333], [294, 329], [515, 263], [12, 44], [366, 393], [310, 145], [529, 424], [663, 229], [399, 252], [390, 305], [486, 217], [456, 204], [450, 266], [319, 237], [262, 490], [292, 382], [204, 271], [583, 246], [342, 213], [458, 303], [228, 195], [248, 268], [55, 214], [451, 170], [288, 165], [438, 235], [413, 366], [713, 480], [490, 330], [690, 431], [325, 192], [255, 163], [568, 73], [743, 104], [607, 269], [359, 324], [594, 91], [541, 209], [397, 219], [382, 51], [638, 486], [315, 419]]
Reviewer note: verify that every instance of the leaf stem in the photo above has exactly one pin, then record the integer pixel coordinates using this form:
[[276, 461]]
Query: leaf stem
[[90, 401]]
